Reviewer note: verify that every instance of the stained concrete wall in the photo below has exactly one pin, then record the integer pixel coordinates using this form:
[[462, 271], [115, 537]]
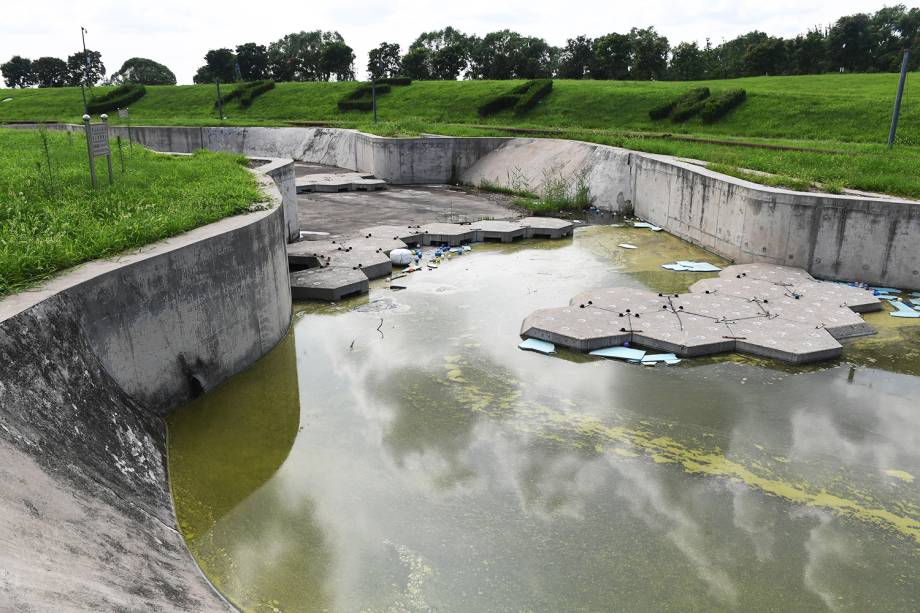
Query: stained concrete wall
[[89, 363], [833, 237]]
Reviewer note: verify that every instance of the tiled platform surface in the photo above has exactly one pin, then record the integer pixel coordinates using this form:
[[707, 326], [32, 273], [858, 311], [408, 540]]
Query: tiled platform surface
[[338, 182], [329, 269], [760, 309]]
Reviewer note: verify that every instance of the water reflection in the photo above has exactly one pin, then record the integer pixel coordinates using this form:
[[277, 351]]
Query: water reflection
[[437, 467]]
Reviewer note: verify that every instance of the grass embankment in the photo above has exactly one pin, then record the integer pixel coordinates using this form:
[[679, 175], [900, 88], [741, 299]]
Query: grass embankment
[[841, 121], [52, 220]]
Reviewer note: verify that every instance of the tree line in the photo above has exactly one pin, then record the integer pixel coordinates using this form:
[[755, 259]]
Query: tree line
[[864, 42], [82, 69]]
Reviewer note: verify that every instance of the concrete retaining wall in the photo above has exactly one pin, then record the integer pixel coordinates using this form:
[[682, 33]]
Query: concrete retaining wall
[[89, 363], [833, 237]]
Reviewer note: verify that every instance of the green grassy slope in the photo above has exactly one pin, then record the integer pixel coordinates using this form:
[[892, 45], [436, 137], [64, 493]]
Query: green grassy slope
[[835, 112], [51, 221]]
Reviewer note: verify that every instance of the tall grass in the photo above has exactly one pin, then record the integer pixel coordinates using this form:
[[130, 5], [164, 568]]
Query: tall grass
[[45, 229]]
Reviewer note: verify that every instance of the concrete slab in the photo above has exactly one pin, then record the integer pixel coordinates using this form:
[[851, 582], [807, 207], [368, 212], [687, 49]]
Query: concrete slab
[[327, 284], [770, 311], [359, 254], [451, 234], [546, 227], [504, 231], [335, 182]]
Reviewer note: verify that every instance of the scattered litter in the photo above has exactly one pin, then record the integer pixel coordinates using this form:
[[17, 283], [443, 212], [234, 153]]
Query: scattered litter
[[903, 310], [884, 290], [668, 358], [887, 297], [645, 224], [304, 233], [688, 266], [533, 344], [622, 353], [432, 265], [627, 246], [401, 257], [396, 288], [914, 294], [915, 301]]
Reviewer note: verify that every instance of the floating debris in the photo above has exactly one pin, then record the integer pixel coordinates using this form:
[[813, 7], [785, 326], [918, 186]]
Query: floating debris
[[620, 353], [688, 266], [667, 358], [885, 290], [903, 310], [533, 344], [401, 257], [645, 224], [627, 246]]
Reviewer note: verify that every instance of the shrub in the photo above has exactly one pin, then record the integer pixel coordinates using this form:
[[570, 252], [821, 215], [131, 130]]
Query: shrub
[[719, 106], [522, 98], [689, 104], [246, 93], [397, 81], [498, 103], [361, 98], [118, 98], [683, 107], [532, 96]]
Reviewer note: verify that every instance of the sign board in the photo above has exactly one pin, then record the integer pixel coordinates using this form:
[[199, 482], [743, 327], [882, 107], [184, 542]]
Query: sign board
[[122, 113], [99, 139]]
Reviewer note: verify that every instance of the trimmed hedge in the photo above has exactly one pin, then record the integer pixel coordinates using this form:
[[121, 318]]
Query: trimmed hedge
[[539, 90], [681, 108], [361, 98], [689, 104], [521, 99], [719, 106], [118, 98], [246, 93]]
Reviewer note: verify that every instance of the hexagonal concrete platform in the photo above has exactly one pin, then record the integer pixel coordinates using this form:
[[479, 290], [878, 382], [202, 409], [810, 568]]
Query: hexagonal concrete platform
[[761, 309], [368, 253], [338, 182]]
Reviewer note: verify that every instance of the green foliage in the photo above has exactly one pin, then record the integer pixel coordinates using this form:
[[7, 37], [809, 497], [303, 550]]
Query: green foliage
[[118, 98], [54, 221], [720, 105], [361, 98], [144, 71], [246, 93], [521, 99], [681, 108]]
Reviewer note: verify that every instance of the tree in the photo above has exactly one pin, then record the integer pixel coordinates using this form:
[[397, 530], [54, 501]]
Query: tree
[[253, 61], [508, 55], [611, 57], [768, 57], [808, 52], [649, 54], [310, 56], [416, 64], [50, 72], [144, 71], [731, 55], [18, 72], [850, 43], [220, 64], [687, 62], [441, 54], [337, 60], [576, 58], [85, 68], [384, 61]]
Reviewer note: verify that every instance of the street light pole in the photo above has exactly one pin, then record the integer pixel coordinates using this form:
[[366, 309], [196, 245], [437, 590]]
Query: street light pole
[[374, 97], [83, 32]]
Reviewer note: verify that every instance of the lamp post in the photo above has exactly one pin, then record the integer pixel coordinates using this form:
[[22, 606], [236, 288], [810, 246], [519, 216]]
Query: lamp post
[[897, 100], [83, 32]]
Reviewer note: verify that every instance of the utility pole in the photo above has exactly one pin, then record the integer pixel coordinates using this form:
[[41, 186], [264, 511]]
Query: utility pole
[[897, 100], [83, 32]]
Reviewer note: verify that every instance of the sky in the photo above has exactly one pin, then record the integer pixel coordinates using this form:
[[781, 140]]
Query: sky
[[179, 32]]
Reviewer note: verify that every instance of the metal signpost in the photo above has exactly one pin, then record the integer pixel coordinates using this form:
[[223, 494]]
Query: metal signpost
[[97, 144], [897, 99]]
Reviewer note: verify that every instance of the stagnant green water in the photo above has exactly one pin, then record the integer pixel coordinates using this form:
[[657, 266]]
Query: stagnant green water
[[399, 453]]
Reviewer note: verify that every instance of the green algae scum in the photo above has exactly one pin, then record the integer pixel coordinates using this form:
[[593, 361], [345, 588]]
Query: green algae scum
[[397, 452]]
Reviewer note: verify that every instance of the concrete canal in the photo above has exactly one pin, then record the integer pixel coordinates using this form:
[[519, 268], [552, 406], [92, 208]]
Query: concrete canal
[[398, 452]]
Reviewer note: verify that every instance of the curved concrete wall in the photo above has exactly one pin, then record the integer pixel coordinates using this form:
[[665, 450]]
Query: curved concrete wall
[[90, 363]]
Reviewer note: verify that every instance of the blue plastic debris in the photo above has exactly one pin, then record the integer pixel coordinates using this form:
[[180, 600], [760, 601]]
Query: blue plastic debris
[[533, 344], [903, 310], [645, 224], [620, 353], [668, 358], [885, 290], [915, 301]]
